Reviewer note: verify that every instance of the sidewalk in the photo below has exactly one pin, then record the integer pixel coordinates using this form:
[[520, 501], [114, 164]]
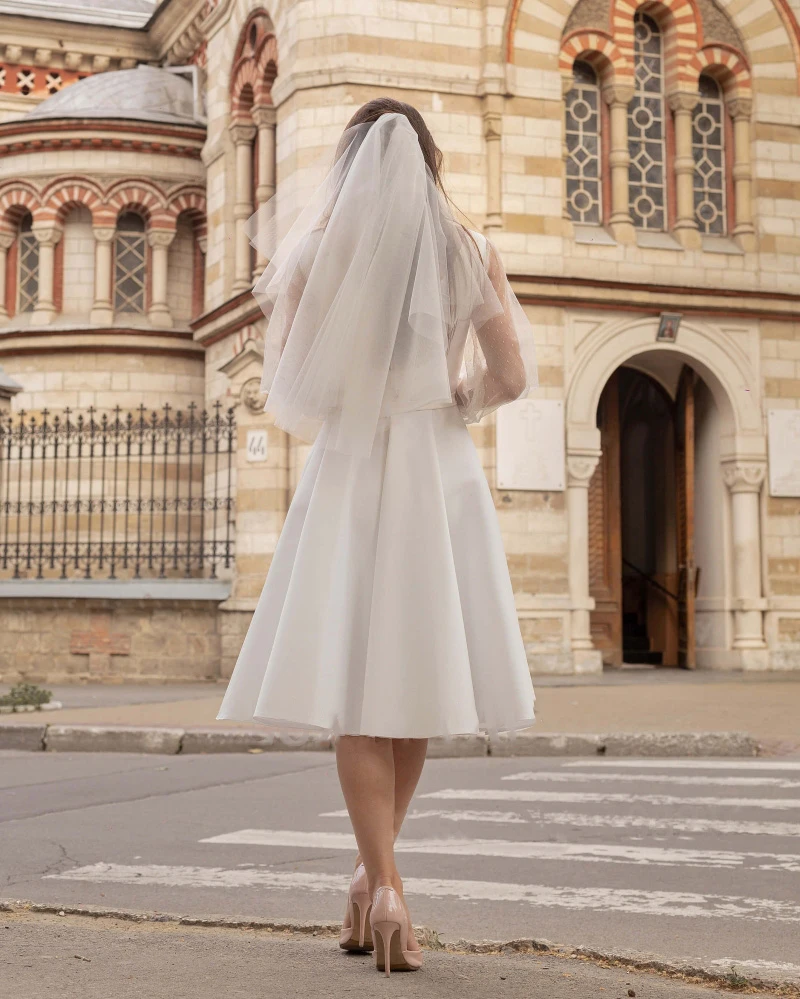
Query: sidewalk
[[763, 706]]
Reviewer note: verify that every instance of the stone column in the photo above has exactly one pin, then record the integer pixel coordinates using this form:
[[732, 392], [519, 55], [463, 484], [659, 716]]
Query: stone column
[[618, 98], [580, 469], [740, 109], [243, 136], [264, 117], [102, 307], [493, 136], [48, 236], [159, 241], [744, 479], [686, 231], [6, 241]]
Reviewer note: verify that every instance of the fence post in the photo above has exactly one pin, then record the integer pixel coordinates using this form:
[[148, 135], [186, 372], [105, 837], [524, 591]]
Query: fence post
[[262, 490]]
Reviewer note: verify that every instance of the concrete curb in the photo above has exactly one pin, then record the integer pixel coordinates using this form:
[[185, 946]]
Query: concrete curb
[[170, 741], [429, 938]]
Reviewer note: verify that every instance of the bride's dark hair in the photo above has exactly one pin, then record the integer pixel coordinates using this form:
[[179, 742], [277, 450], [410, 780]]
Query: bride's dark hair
[[373, 109], [431, 153]]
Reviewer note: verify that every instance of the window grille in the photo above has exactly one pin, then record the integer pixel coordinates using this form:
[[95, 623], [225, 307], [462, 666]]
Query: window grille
[[583, 146], [28, 269], [708, 150], [646, 174], [130, 255]]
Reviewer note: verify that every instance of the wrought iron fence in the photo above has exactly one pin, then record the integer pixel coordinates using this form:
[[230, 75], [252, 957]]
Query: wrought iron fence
[[122, 495]]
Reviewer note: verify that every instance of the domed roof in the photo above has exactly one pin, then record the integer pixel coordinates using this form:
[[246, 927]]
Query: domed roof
[[146, 93]]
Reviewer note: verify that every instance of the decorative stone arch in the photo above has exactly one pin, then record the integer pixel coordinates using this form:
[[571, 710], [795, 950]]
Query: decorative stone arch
[[727, 65], [599, 50], [683, 34], [735, 387], [67, 192], [16, 198], [189, 201], [137, 196], [252, 129]]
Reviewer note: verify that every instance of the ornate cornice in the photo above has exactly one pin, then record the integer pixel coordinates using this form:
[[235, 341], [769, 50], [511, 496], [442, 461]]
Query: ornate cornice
[[20, 137]]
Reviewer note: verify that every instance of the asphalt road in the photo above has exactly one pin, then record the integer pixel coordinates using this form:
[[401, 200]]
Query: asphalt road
[[690, 860]]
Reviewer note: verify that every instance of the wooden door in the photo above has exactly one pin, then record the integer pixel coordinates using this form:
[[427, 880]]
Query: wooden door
[[687, 570], [605, 545]]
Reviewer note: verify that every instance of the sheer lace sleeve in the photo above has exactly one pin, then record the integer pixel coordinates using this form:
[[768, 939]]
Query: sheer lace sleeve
[[499, 364]]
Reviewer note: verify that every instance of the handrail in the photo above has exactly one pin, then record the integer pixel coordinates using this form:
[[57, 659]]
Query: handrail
[[650, 580]]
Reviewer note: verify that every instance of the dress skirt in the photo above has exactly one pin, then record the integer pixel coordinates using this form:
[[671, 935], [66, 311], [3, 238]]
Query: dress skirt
[[388, 608]]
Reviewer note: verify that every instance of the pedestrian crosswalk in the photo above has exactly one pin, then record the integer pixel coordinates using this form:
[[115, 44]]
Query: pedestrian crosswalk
[[682, 846]]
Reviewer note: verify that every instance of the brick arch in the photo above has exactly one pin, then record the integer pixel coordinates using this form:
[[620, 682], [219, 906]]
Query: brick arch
[[598, 49], [16, 198], [682, 25], [255, 65], [727, 65], [65, 193], [137, 196], [192, 202]]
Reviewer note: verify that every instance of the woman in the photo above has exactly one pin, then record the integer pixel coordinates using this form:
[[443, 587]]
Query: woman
[[387, 616]]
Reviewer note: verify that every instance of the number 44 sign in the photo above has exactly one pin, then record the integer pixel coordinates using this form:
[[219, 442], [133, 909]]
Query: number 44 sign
[[256, 445]]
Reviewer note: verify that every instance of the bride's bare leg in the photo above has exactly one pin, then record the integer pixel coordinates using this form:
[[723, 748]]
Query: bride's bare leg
[[409, 759], [367, 775]]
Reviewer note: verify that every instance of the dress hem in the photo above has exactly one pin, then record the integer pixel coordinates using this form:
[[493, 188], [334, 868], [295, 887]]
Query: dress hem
[[328, 730]]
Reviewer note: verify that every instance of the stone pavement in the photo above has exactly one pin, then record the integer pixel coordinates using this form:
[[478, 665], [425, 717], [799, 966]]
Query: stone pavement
[[79, 957]]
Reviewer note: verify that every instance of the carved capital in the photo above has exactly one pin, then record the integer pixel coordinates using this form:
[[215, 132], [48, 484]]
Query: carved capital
[[740, 107], [618, 93], [580, 469], [160, 237], [103, 234], [242, 134], [744, 476], [6, 239], [683, 101], [47, 234], [202, 242], [263, 116]]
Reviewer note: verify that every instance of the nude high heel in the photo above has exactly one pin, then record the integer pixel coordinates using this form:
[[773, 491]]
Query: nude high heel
[[357, 936], [390, 932]]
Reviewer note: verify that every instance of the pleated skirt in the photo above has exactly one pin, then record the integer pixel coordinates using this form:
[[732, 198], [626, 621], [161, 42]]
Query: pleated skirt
[[388, 609]]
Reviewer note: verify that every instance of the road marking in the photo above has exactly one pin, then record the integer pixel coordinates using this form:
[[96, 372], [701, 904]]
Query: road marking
[[452, 816], [651, 903], [587, 820], [595, 797], [561, 778], [522, 850], [690, 764]]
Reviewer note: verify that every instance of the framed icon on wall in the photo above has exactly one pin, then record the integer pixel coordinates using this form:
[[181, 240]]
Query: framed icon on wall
[[668, 326]]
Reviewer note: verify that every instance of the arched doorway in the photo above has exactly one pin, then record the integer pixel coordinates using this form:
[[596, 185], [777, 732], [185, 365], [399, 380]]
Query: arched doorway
[[643, 511]]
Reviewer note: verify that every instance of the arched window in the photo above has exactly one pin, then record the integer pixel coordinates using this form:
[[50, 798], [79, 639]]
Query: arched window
[[583, 146], [708, 151], [27, 265], [130, 264], [647, 176]]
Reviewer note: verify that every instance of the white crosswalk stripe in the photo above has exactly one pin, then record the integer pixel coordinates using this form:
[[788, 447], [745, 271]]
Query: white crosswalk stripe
[[653, 903], [588, 820], [522, 850], [598, 797], [684, 764], [700, 781]]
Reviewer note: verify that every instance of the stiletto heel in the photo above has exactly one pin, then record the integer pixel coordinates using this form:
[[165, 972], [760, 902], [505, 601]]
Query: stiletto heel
[[358, 901], [391, 929]]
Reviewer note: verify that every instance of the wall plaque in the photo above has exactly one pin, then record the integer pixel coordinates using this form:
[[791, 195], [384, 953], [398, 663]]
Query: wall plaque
[[783, 427], [530, 445], [256, 445]]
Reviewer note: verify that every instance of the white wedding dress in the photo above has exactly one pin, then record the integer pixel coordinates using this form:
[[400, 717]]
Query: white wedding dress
[[388, 609]]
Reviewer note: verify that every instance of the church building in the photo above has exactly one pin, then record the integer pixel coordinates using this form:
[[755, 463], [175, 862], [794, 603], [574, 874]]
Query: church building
[[637, 165]]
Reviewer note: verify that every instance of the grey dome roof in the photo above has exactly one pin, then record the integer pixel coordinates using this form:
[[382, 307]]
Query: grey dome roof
[[125, 13], [146, 93]]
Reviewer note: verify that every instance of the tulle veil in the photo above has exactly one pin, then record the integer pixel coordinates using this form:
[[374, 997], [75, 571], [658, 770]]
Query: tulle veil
[[365, 289]]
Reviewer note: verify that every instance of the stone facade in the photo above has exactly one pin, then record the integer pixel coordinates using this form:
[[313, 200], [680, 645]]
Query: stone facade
[[521, 95]]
